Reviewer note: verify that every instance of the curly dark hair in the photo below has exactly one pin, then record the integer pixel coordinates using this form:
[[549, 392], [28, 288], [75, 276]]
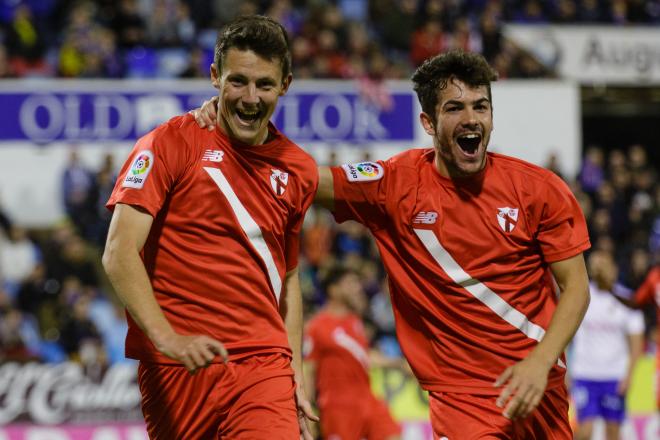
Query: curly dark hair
[[435, 73], [260, 34]]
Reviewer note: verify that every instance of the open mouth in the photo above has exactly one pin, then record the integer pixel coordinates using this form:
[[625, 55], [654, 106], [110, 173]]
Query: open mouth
[[248, 116], [469, 142]]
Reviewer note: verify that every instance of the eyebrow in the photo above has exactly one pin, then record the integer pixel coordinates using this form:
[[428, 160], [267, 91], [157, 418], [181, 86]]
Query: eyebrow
[[476, 102], [265, 79]]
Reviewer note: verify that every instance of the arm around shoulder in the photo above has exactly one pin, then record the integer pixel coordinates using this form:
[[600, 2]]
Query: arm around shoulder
[[325, 195]]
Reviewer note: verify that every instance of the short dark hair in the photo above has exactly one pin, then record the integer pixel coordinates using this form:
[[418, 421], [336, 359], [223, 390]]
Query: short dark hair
[[435, 73], [260, 34], [334, 275]]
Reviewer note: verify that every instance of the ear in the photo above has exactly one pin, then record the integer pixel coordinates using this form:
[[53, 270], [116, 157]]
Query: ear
[[427, 123], [215, 76], [285, 84]]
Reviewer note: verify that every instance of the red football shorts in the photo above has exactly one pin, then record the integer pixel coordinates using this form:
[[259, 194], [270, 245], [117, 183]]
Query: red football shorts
[[457, 416], [251, 398], [365, 417]]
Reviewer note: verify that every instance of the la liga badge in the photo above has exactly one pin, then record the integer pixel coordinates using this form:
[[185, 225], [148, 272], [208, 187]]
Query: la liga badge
[[363, 171], [140, 169]]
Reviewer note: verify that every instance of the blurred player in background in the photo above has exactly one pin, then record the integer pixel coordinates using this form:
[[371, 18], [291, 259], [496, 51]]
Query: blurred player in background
[[337, 364], [649, 293], [203, 251], [605, 350], [473, 243]]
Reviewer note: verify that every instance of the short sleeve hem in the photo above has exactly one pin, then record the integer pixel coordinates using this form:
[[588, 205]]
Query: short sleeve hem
[[553, 257]]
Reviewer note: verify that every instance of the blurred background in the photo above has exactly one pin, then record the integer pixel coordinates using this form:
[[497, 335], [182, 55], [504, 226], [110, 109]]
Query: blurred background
[[579, 93]]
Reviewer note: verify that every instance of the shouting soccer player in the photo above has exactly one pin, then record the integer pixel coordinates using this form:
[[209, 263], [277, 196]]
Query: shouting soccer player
[[203, 251], [475, 245]]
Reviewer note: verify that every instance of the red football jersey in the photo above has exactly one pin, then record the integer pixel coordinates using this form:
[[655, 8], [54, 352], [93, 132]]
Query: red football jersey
[[649, 292], [226, 222], [339, 347], [468, 259]]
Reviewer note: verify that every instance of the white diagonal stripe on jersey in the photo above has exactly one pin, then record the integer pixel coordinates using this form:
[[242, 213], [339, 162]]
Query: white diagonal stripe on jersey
[[250, 227], [479, 290]]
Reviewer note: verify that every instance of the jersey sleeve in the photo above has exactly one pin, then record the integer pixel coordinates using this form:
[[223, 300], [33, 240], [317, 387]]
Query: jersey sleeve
[[635, 322], [292, 239], [645, 292], [360, 192], [562, 229], [151, 170]]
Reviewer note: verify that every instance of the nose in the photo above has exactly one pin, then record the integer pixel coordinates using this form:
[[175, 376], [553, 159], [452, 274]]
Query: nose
[[470, 118], [250, 96]]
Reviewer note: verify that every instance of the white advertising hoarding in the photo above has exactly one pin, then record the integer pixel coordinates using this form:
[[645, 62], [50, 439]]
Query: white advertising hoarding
[[594, 54], [41, 121]]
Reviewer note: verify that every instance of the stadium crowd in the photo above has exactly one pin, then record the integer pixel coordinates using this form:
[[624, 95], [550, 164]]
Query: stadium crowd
[[370, 39]]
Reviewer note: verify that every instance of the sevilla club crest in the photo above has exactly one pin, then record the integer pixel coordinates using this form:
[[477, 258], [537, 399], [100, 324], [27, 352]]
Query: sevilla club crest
[[278, 181], [507, 218]]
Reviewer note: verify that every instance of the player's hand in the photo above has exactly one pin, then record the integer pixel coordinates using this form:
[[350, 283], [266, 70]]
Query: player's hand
[[622, 387], [206, 115], [305, 412], [193, 351], [525, 386]]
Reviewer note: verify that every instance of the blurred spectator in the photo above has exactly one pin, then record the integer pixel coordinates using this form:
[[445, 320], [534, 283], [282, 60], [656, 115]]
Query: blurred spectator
[[464, 37], [396, 21], [18, 258], [592, 173], [553, 165], [196, 67], [612, 202], [129, 26], [13, 346], [531, 12], [6, 70], [170, 24], [566, 11], [74, 260], [491, 36], [590, 11], [77, 327], [26, 44], [427, 41], [77, 183], [317, 237]]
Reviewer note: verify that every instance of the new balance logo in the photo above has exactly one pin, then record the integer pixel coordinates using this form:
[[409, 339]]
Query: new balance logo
[[213, 156], [426, 217]]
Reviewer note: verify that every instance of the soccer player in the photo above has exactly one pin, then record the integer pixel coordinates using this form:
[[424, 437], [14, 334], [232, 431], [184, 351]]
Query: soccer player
[[337, 362], [475, 245], [203, 248], [605, 350]]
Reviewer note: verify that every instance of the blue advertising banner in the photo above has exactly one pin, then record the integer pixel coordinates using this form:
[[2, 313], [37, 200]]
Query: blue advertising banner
[[112, 112]]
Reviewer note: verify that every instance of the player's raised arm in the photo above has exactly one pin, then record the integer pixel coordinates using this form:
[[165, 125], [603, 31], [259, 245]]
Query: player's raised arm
[[128, 232], [526, 381], [325, 194]]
